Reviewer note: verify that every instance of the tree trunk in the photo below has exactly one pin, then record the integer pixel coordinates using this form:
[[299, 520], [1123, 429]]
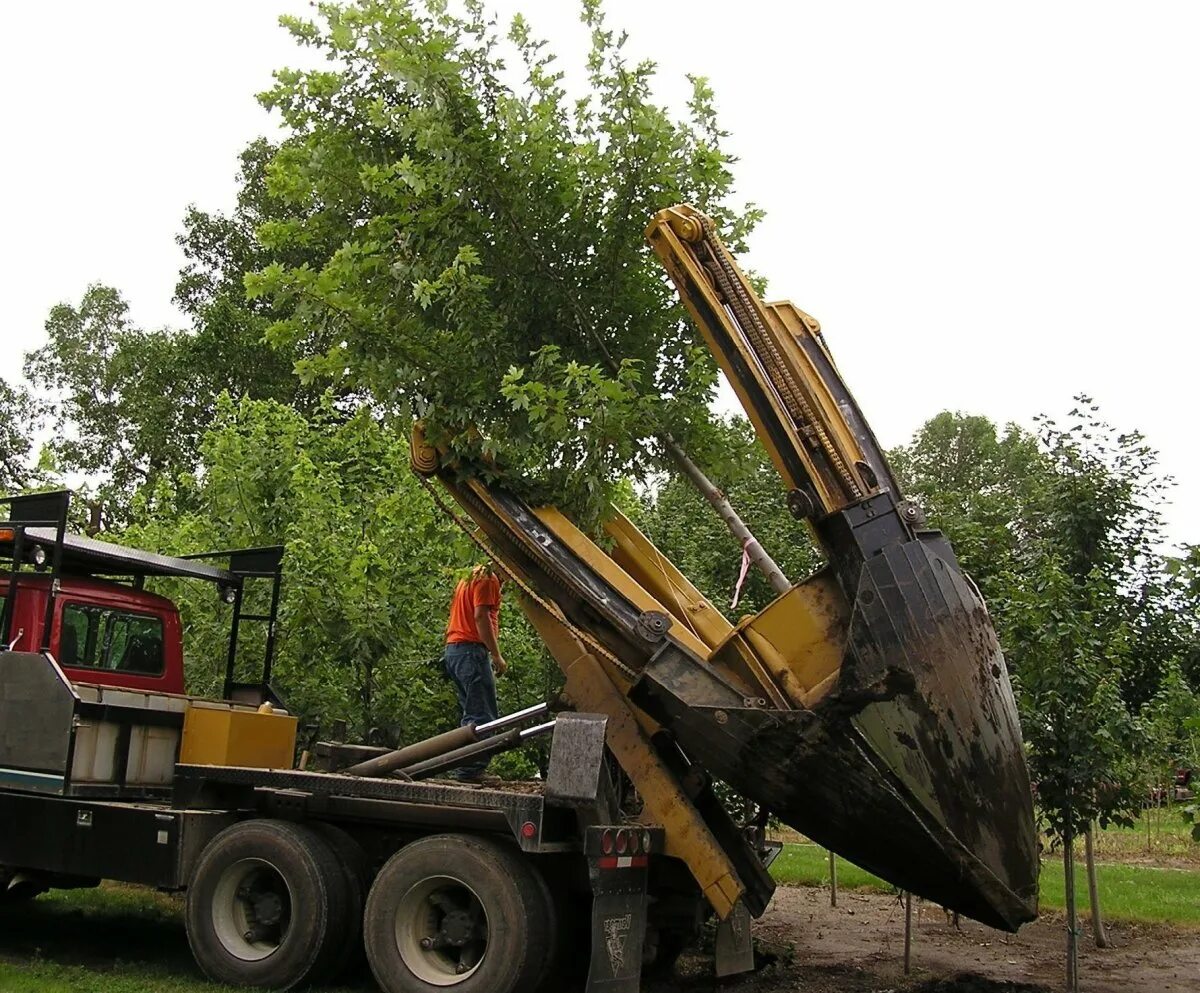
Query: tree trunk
[[1098, 931], [832, 880], [758, 555], [737, 527], [1072, 919]]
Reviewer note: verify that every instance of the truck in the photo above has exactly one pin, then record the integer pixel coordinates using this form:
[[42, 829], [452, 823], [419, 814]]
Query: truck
[[868, 706]]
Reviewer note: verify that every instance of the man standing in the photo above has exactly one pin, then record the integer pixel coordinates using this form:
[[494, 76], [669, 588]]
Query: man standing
[[473, 652]]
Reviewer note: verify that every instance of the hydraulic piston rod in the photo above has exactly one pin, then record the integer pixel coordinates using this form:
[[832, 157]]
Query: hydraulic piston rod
[[468, 734], [479, 750]]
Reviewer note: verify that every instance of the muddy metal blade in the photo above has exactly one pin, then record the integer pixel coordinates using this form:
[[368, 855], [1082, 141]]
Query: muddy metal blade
[[925, 723], [912, 768]]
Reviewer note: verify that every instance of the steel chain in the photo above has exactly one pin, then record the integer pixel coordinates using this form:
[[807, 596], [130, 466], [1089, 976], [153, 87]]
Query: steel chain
[[761, 340]]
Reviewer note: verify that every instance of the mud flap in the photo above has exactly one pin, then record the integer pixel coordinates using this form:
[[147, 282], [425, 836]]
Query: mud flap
[[618, 918], [734, 949]]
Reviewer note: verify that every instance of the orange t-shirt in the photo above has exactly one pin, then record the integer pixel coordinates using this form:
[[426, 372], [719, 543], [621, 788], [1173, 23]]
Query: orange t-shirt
[[469, 594]]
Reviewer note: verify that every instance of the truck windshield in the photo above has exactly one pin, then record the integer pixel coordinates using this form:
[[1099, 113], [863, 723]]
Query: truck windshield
[[116, 640]]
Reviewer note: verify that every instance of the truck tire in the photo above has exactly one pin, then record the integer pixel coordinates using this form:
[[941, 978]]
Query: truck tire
[[457, 912], [17, 887], [267, 906], [554, 949], [356, 873]]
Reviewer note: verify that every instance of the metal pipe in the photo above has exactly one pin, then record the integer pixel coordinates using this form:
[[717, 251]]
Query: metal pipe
[[515, 718], [489, 746], [439, 744], [537, 729], [430, 748]]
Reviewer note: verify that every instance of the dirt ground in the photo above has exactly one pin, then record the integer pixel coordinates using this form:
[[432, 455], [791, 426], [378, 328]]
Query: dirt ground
[[859, 948], [805, 947]]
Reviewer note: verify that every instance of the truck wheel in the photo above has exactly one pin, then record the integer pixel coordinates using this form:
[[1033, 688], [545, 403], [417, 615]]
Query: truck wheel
[[544, 976], [664, 946], [19, 887], [457, 911], [267, 906], [356, 873]]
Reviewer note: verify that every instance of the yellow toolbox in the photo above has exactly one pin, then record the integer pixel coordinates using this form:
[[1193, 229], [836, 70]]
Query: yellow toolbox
[[217, 733]]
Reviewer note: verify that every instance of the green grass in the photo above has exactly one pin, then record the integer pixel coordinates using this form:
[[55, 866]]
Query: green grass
[[1127, 892], [114, 939], [808, 865], [1131, 892], [1158, 834], [49, 977]]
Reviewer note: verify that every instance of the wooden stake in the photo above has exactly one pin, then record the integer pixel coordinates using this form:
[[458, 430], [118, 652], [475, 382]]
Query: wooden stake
[[832, 880], [1098, 931], [1072, 918], [907, 933]]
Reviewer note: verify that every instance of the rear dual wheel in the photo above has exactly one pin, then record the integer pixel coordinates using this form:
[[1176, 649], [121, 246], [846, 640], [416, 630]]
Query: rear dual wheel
[[18, 887], [271, 905], [458, 913]]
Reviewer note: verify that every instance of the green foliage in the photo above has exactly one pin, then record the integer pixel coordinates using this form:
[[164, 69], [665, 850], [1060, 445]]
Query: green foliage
[[1080, 737], [475, 213], [19, 416], [369, 567], [115, 395], [977, 484], [1170, 723], [1068, 618], [227, 345], [1191, 813], [130, 405], [1181, 603]]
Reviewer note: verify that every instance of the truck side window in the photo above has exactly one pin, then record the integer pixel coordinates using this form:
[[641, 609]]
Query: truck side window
[[80, 626], [135, 644], [98, 638]]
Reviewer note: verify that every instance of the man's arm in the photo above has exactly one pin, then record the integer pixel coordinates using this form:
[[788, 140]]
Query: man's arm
[[487, 634]]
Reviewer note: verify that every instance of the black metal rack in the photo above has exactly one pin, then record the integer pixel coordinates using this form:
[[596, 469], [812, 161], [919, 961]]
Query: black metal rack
[[36, 538]]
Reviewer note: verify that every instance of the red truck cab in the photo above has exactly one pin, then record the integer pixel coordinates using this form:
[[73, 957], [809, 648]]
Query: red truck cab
[[101, 632], [83, 601]]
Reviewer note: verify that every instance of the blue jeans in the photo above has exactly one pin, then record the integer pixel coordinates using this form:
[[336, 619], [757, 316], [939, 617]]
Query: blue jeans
[[470, 668]]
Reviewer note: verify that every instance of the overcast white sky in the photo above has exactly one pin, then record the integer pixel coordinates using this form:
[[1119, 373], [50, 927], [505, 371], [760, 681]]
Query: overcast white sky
[[990, 207]]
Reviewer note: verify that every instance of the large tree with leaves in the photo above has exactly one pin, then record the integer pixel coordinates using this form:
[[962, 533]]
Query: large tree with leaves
[[19, 415], [488, 210]]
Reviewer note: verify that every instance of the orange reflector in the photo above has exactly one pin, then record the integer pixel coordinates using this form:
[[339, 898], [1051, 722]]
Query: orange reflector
[[6, 534]]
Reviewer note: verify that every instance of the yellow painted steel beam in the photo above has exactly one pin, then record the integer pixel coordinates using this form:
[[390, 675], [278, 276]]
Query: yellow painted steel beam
[[638, 556], [825, 445], [591, 688]]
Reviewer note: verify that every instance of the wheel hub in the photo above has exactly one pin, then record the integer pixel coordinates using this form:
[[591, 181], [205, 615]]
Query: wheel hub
[[441, 931], [251, 909]]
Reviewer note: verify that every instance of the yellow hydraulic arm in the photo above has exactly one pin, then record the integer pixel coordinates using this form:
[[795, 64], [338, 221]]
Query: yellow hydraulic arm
[[868, 706], [776, 359]]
